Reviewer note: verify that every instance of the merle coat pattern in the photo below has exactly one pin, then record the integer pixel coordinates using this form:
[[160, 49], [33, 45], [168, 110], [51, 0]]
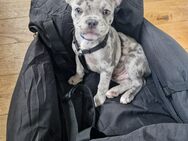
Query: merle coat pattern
[[122, 60]]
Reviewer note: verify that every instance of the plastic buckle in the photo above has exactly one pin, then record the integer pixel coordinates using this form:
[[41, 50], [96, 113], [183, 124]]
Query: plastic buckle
[[80, 52]]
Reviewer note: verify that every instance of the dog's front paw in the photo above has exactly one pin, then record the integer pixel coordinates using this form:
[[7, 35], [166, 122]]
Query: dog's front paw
[[99, 99], [75, 79]]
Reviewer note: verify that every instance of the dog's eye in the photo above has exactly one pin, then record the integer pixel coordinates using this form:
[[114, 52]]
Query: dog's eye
[[106, 12], [79, 10]]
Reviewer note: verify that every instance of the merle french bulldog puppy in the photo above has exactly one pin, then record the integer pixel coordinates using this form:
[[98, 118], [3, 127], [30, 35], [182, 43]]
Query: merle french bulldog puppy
[[122, 59]]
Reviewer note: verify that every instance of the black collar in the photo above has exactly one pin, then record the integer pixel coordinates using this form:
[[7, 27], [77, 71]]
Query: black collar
[[91, 50]]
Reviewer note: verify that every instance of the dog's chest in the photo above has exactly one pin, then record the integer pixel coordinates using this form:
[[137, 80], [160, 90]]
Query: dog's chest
[[96, 61], [91, 60]]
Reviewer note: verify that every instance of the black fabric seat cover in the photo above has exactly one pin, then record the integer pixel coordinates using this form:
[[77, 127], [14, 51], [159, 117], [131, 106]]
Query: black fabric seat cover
[[159, 112]]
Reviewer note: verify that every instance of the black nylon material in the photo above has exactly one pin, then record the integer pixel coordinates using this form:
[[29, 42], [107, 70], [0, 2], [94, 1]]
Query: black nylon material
[[159, 112], [34, 112]]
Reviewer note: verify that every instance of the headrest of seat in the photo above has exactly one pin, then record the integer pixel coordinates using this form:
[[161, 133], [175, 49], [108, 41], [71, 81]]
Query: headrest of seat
[[128, 15]]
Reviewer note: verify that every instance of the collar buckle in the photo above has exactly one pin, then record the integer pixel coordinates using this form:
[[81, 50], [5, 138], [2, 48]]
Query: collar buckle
[[80, 52]]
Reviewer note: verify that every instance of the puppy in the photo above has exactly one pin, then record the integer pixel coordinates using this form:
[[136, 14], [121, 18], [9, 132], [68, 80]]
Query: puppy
[[122, 59]]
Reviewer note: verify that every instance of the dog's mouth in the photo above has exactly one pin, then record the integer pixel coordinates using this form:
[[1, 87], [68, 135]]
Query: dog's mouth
[[89, 35]]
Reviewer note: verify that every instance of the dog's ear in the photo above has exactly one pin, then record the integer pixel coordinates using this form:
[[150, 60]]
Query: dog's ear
[[118, 2]]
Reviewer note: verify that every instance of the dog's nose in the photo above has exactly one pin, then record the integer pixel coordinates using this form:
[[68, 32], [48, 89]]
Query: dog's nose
[[92, 23]]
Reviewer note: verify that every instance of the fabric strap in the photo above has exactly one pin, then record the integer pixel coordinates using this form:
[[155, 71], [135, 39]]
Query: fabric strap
[[83, 62], [173, 87], [91, 50], [81, 52]]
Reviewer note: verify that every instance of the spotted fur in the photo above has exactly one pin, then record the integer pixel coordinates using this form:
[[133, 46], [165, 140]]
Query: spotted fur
[[122, 60]]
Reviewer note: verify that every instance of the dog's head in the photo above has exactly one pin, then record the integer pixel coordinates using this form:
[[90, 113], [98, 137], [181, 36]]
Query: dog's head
[[92, 18]]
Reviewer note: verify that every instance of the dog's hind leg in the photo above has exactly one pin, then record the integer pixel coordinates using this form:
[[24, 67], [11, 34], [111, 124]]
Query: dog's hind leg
[[117, 90], [130, 94]]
